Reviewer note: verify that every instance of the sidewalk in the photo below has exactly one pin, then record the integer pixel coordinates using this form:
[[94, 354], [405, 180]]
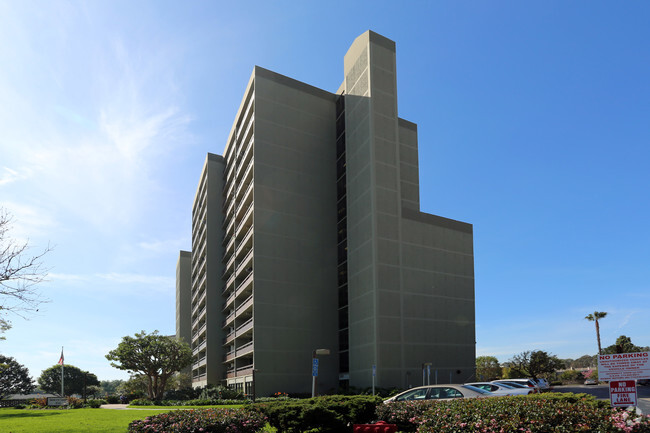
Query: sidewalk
[[113, 406]]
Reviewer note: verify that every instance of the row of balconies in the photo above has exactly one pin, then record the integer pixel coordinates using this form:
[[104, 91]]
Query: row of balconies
[[240, 293], [239, 311], [246, 121], [245, 330]]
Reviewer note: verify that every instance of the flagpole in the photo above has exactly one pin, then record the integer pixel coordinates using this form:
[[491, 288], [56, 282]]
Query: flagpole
[[62, 362]]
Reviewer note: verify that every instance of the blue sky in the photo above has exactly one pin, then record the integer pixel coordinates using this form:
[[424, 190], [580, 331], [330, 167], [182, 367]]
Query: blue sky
[[534, 126]]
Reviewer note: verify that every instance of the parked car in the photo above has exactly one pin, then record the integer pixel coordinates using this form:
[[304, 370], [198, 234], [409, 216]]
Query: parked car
[[543, 384], [523, 382], [440, 392], [591, 382], [502, 388]]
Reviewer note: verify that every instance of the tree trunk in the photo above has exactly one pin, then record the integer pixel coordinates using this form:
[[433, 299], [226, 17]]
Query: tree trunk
[[150, 390], [161, 386], [600, 351]]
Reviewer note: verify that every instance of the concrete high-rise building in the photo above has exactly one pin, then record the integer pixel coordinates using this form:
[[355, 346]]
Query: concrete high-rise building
[[307, 234]]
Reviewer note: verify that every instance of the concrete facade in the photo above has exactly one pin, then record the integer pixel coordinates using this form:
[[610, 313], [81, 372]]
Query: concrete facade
[[184, 299], [307, 234]]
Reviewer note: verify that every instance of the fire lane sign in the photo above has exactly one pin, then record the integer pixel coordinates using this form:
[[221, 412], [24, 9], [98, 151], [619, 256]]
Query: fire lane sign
[[622, 393], [624, 366]]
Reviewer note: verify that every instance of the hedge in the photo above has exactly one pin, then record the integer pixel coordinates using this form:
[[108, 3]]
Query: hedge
[[243, 420], [532, 414], [328, 414]]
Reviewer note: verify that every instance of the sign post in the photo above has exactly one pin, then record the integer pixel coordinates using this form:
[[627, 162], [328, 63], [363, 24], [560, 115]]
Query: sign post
[[622, 393], [622, 370]]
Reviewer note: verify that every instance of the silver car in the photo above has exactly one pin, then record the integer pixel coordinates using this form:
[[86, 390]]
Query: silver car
[[502, 388], [440, 392]]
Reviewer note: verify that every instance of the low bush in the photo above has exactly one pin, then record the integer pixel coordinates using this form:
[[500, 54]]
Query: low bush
[[95, 403], [196, 402], [532, 414], [326, 414], [75, 403], [201, 420], [142, 402], [113, 399], [38, 402]]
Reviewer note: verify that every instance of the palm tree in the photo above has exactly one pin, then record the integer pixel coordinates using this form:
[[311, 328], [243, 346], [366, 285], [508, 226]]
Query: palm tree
[[594, 318]]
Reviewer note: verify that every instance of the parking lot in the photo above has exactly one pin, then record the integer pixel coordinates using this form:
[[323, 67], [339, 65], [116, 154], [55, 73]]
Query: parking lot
[[602, 392]]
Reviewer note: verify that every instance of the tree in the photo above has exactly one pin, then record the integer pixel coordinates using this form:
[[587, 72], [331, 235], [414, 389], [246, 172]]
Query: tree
[[487, 368], [594, 317], [74, 380], [157, 357], [624, 345], [14, 377], [135, 387], [109, 387], [93, 391], [19, 273], [534, 364], [584, 361]]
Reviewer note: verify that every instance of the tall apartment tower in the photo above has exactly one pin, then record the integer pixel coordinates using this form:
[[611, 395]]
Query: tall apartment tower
[[307, 234]]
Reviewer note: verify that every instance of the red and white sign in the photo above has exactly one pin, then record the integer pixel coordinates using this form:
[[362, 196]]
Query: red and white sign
[[622, 393], [624, 366]]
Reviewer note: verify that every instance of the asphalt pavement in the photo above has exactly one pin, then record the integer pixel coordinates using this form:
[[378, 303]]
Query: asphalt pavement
[[601, 392]]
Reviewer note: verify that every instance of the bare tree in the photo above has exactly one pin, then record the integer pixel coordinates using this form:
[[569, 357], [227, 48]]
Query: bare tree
[[20, 272], [594, 318]]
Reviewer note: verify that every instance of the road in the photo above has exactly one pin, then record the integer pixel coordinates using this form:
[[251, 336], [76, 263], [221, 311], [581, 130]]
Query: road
[[602, 392]]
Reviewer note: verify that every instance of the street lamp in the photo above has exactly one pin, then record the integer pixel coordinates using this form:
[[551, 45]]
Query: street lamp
[[314, 367]]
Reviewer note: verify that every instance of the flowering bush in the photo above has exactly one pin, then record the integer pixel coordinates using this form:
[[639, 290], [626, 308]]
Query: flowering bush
[[39, 402], [75, 403], [626, 422], [201, 420], [530, 414]]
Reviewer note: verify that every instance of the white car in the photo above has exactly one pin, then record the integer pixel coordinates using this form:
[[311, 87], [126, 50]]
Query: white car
[[525, 383], [440, 392], [543, 384], [501, 388]]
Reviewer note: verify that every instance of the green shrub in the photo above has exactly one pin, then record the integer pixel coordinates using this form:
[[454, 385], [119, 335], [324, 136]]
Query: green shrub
[[113, 399], [203, 420], [211, 392], [326, 414], [572, 376], [533, 414], [96, 403], [142, 402], [183, 394]]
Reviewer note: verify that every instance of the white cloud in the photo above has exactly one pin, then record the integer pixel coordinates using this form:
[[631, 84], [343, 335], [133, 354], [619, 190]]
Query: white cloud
[[92, 145]]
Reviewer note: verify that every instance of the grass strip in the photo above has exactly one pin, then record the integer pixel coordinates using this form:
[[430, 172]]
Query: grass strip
[[71, 420]]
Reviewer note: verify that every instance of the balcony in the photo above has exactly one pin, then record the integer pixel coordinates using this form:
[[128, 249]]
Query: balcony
[[244, 350], [248, 303], [246, 370]]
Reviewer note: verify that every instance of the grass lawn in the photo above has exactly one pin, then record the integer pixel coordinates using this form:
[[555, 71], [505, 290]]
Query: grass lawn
[[74, 420]]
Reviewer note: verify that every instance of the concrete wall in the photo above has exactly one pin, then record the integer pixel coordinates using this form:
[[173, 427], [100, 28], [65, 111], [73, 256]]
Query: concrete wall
[[396, 320], [184, 296], [295, 298], [215, 333]]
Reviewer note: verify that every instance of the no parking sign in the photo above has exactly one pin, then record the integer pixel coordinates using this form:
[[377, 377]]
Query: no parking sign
[[622, 393]]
